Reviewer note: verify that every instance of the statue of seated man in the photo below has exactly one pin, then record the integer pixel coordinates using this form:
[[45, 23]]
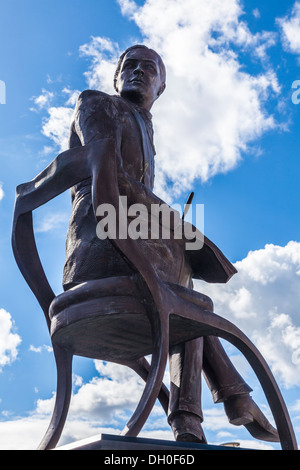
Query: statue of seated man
[[125, 120], [139, 80]]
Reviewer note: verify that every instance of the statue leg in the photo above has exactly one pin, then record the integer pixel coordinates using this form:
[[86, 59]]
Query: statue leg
[[185, 412], [210, 323], [63, 396], [220, 374], [225, 384], [229, 387]]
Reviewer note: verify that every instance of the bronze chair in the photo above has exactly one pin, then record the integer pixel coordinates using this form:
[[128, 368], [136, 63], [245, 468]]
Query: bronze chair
[[122, 319]]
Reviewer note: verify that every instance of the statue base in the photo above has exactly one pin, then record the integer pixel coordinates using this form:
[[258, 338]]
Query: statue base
[[117, 443]]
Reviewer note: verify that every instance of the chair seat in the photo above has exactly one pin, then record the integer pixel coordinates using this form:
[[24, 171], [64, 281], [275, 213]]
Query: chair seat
[[107, 319], [99, 319]]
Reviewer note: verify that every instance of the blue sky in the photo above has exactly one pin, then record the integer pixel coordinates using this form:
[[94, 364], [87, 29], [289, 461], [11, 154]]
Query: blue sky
[[230, 70]]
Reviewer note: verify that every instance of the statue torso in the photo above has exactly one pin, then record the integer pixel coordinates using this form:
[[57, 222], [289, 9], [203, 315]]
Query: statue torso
[[97, 116]]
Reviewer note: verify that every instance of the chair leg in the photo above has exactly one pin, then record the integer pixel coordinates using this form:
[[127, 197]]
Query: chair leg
[[63, 396], [160, 334], [142, 368]]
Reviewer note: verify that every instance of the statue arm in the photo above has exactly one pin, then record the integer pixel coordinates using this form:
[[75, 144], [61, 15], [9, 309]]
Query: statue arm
[[67, 169]]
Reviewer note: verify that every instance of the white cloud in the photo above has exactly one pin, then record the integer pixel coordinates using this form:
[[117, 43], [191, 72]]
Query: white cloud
[[9, 340], [103, 405], [263, 299], [104, 54], [25, 433], [43, 100], [256, 13], [52, 221], [39, 349], [110, 396], [107, 397], [57, 125], [22, 433], [73, 95], [290, 29], [1, 192]]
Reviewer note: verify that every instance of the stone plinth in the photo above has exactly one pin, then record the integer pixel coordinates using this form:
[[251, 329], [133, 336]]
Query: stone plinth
[[116, 443]]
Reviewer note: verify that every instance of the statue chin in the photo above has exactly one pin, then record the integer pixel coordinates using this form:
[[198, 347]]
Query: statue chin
[[133, 94]]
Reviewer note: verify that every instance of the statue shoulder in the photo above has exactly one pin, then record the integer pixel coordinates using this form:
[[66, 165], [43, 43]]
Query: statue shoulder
[[96, 113], [91, 102], [94, 98]]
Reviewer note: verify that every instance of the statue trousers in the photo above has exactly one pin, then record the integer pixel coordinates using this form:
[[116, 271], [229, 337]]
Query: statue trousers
[[187, 363]]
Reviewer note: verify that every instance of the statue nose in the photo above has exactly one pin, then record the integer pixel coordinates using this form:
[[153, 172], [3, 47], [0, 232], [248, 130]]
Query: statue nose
[[138, 70]]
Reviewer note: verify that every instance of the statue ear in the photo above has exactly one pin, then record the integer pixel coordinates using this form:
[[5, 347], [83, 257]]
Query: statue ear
[[161, 90]]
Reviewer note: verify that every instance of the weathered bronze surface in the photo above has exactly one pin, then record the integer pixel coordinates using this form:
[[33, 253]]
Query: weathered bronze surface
[[125, 298]]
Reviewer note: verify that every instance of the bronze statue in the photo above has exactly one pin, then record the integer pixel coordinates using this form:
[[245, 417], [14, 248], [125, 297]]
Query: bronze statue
[[111, 144], [139, 81]]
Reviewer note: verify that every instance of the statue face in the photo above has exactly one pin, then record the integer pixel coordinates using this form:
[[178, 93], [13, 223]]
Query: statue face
[[139, 79]]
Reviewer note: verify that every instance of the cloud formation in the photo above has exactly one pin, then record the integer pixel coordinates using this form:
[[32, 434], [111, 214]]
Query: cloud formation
[[104, 404], [212, 110], [9, 339], [57, 125], [42, 101], [52, 221], [290, 29]]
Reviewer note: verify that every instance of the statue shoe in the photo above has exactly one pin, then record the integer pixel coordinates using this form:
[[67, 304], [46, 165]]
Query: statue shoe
[[242, 410], [187, 427]]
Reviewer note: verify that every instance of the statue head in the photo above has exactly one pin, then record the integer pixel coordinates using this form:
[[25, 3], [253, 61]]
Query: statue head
[[140, 76]]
